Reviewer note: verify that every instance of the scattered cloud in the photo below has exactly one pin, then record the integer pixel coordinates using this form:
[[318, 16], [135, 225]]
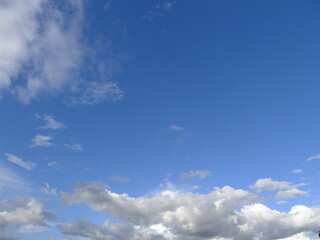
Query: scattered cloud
[[196, 187], [42, 53], [51, 123], [53, 164], [75, 146], [95, 93], [18, 161], [201, 174], [225, 213], [159, 10], [267, 184], [297, 171], [48, 190], [41, 141], [176, 128], [120, 179], [313, 157], [290, 193], [285, 189]]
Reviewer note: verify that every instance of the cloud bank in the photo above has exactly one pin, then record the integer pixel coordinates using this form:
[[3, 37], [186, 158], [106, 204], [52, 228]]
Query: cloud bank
[[225, 213]]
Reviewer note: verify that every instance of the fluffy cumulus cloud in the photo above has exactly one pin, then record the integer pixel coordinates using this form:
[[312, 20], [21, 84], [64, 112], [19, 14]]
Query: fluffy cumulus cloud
[[110, 231], [42, 52], [224, 214], [285, 189], [22, 213], [267, 184]]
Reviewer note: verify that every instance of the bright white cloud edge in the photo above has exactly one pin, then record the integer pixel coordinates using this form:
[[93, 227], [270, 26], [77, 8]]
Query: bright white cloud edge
[[40, 38]]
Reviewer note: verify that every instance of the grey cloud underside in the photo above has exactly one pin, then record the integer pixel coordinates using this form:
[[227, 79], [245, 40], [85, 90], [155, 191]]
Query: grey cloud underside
[[224, 213], [42, 52], [21, 212]]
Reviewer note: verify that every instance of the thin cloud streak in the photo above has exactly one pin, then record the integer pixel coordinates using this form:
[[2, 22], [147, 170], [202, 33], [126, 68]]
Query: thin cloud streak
[[18, 161]]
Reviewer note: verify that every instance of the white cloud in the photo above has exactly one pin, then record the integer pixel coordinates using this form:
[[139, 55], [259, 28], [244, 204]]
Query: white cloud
[[75, 146], [224, 213], [290, 193], [41, 53], [297, 171], [201, 174], [51, 123], [108, 231], [22, 212], [18, 161], [41, 141], [301, 236], [313, 157], [287, 189], [267, 184], [176, 128], [48, 190]]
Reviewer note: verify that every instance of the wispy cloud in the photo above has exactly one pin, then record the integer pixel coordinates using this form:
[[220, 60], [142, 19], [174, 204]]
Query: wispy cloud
[[46, 39], [297, 171], [18, 161], [41, 141], [313, 157], [51, 123], [201, 174], [159, 10], [53, 164], [11, 181], [48, 190], [75, 146], [120, 179], [174, 127]]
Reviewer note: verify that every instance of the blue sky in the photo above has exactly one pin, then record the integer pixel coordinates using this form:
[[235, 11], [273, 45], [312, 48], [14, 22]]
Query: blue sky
[[159, 120]]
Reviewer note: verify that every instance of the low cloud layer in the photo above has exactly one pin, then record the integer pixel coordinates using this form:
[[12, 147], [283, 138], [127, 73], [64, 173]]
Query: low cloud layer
[[225, 213]]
